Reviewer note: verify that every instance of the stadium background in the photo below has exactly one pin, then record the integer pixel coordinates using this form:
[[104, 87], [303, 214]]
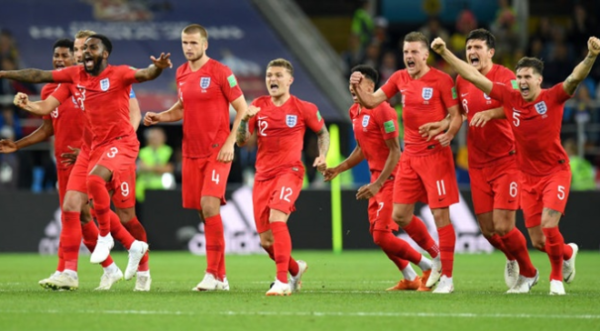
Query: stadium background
[[323, 39]]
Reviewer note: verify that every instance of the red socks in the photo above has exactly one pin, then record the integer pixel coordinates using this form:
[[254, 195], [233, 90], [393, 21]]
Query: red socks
[[395, 246], [554, 247], [215, 244], [118, 231], [515, 243], [101, 202], [447, 244], [293, 265], [283, 249], [138, 232], [498, 243], [70, 239], [400, 263], [61, 258], [90, 238], [417, 231]]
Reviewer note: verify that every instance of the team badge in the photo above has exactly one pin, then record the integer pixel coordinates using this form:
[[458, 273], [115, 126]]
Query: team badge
[[104, 84], [204, 82], [427, 93], [541, 108], [291, 120], [365, 121]]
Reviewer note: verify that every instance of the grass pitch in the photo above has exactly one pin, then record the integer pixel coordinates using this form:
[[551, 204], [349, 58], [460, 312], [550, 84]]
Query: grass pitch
[[340, 292]]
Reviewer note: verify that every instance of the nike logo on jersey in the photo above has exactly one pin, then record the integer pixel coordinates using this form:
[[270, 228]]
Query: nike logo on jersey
[[464, 95], [262, 117], [511, 201]]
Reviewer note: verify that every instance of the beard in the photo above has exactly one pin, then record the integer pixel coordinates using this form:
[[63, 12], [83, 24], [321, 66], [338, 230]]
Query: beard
[[197, 57], [95, 69]]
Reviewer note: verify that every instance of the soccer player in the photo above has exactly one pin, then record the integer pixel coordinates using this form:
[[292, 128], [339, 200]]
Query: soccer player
[[206, 88], [492, 164], [376, 135], [426, 171], [102, 94], [66, 124], [535, 115], [280, 120], [123, 197]]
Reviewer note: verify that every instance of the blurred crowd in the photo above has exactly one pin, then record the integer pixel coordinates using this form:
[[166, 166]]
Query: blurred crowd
[[561, 42]]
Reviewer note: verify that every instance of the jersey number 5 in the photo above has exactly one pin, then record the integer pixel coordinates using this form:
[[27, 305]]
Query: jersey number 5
[[516, 118]]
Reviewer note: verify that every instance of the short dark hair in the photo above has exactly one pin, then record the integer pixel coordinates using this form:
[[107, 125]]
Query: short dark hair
[[483, 34], [367, 71], [531, 62], [66, 43], [105, 41], [417, 36]]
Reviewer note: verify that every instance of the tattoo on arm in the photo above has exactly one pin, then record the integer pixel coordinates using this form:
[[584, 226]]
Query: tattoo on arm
[[551, 212], [29, 75], [323, 141], [242, 132], [147, 74]]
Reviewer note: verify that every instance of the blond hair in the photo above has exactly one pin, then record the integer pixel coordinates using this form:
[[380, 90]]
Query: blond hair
[[196, 28], [84, 34], [282, 63]]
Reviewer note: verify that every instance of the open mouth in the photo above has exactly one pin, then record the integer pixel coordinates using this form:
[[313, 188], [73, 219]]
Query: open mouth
[[411, 64], [474, 60], [274, 87], [58, 66], [524, 90], [354, 97], [88, 61]]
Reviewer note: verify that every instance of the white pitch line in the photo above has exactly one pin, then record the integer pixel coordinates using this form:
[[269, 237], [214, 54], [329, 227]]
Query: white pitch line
[[305, 313]]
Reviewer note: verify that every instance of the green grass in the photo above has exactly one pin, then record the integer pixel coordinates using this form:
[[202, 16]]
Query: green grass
[[340, 292]]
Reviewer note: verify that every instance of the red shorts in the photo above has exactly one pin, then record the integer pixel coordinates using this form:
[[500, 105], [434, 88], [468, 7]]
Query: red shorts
[[123, 187], [77, 180], [116, 155], [430, 179], [381, 207], [539, 192], [495, 187], [63, 175], [279, 193], [203, 177]]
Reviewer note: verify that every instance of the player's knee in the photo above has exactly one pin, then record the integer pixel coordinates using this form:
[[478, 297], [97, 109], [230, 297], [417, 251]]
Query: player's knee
[[503, 228], [401, 219], [95, 183], [71, 205], [210, 207], [266, 244], [538, 244], [125, 215], [85, 218]]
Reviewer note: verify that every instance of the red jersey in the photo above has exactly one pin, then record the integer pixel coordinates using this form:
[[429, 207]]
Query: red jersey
[[104, 99], [424, 100], [536, 126], [495, 140], [206, 94], [372, 127], [281, 134], [67, 122]]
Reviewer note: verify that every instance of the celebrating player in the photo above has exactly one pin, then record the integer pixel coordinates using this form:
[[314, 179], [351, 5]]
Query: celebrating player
[[114, 146], [536, 115], [426, 171], [376, 134], [492, 164], [206, 88], [280, 120]]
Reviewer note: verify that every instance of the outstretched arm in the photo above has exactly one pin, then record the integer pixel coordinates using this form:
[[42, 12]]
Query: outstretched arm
[[155, 69], [28, 75], [173, 114], [462, 68], [582, 70], [40, 134]]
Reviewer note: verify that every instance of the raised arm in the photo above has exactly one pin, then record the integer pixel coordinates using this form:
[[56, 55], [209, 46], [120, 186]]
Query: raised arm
[[369, 100], [582, 70], [242, 132], [41, 108], [155, 69], [28, 75], [462, 68]]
